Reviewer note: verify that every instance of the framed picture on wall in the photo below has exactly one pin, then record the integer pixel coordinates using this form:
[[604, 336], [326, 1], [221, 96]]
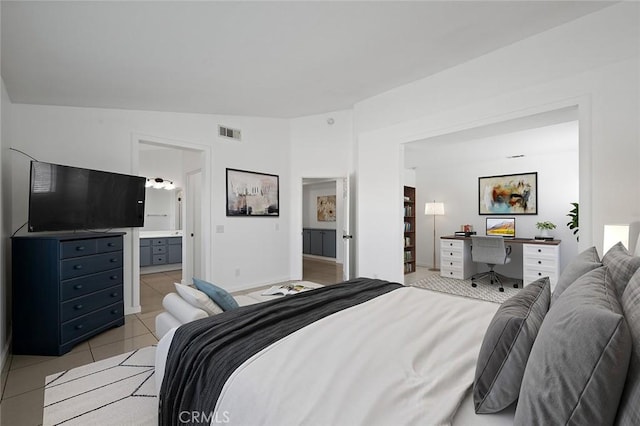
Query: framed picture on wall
[[252, 194], [508, 194], [326, 208]]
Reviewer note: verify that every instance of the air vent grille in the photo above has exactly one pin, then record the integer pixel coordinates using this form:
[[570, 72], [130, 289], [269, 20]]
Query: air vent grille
[[227, 132]]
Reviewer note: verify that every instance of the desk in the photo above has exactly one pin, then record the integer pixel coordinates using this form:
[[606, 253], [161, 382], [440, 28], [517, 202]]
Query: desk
[[539, 258]]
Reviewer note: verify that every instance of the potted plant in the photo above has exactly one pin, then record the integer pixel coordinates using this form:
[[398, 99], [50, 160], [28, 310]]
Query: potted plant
[[573, 223], [545, 227]]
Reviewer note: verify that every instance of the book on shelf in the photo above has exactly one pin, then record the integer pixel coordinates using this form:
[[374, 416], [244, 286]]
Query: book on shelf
[[285, 289]]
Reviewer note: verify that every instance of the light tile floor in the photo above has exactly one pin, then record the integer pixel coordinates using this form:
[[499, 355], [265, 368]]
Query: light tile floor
[[24, 375]]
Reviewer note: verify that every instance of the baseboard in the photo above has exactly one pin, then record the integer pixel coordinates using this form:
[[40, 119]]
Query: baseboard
[[320, 258], [4, 364]]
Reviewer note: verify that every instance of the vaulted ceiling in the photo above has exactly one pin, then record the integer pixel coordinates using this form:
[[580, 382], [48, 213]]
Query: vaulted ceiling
[[264, 58]]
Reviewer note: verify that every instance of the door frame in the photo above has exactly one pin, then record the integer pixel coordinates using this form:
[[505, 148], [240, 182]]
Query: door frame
[[207, 236]]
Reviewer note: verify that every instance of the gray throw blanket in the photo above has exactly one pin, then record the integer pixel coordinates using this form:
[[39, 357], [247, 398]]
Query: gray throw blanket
[[204, 353]]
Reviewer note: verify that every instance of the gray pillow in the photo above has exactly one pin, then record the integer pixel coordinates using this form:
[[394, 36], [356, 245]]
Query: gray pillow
[[579, 361], [622, 265], [506, 346], [629, 409], [586, 261]]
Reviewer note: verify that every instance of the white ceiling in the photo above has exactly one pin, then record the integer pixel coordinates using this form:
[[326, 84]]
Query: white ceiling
[[264, 58]]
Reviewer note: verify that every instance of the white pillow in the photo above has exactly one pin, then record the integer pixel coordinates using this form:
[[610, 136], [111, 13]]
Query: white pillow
[[198, 299]]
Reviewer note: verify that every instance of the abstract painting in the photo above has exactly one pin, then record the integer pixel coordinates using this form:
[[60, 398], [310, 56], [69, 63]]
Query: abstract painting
[[508, 194], [326, 208], [252, 193]]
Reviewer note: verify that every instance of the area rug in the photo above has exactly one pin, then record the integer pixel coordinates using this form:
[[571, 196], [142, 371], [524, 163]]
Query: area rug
[[115, 391], [463, 288]]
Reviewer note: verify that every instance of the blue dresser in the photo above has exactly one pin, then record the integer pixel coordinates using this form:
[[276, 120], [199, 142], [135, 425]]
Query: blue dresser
[[65, 289]]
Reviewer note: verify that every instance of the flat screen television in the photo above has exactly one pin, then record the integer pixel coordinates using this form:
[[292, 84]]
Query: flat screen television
[[504, 226], [65, 198]]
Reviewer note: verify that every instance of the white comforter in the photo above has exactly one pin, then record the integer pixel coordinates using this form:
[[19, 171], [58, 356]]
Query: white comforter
[[406, 358]]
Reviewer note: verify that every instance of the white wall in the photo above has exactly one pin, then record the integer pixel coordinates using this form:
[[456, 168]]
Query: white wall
[[456, 185], [318, 150], [591, 62], [250, 251]]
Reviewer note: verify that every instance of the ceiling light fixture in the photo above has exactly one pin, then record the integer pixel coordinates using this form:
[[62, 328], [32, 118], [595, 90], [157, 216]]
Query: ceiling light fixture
[[159, 183]]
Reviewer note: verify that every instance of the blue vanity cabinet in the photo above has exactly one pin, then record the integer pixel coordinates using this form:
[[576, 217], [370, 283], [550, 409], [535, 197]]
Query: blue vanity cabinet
[[145, 251], [319, 242], [174, 250], [65, 289], [160, 251]]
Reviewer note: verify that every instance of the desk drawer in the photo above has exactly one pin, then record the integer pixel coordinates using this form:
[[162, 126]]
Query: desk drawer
[[159, 259], [88, 284], [159, 242], [88, 323], [77, 248], [86, 265], [450, 244], [539, 250], [451, 254], [531, 276], [89, 303], [540, 262], [452, 273]]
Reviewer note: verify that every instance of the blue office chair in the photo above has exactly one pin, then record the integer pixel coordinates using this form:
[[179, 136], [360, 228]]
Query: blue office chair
[[492, 251]]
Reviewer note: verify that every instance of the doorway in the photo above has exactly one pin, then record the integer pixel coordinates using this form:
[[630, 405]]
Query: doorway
[[326, 240], [191, 163]]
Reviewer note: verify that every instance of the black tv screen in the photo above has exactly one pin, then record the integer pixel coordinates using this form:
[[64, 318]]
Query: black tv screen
[[64, 198]]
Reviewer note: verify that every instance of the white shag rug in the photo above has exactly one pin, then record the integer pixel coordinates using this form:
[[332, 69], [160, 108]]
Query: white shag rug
[[115, 391], [463, 288]]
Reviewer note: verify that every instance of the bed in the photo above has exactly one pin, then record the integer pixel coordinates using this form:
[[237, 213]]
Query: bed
[[372, 352]]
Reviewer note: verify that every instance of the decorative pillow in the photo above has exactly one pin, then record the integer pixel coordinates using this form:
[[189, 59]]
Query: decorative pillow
[[198, 299], [586, 261], [506, 346], [217, 294], [629, 409], [622, 265], [579, 361]]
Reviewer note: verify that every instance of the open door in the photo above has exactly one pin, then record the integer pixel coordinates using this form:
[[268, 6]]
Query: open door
[[193, 235], [348, 268]]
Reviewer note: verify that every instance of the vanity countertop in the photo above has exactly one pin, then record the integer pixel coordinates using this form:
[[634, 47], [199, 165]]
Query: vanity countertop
[[161, 234]]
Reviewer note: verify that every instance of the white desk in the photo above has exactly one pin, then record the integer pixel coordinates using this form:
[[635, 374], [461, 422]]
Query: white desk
[[539, 258]]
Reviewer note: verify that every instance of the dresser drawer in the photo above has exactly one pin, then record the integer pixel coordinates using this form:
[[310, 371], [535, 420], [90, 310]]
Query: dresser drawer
[[449, 244], [88, 323], [540, 262], [77, 248], [88, 284], [159, 259], [159, 249], [106, 245], [451, 263], [145, 242], [86, 265], [159, 242], [531, 276], [89, 303]]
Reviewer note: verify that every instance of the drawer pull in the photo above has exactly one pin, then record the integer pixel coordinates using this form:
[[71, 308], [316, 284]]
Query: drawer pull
[[450, 273], [78, 307], [450, 254], [539, 273], [110, 244], [80, 248], [115, 311], [539, 250], [114, 294], [77, 266], [113, 277], [539, 262], [79, 327], [451, 263], [451, 244], [113, 260], [78, 286]]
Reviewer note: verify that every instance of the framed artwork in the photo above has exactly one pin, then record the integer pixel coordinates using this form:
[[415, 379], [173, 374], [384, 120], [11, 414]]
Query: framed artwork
[[508, 194], [326, 208], [252, 194]]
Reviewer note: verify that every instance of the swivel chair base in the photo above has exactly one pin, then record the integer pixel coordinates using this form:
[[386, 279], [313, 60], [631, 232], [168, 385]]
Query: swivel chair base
[[494, 277]]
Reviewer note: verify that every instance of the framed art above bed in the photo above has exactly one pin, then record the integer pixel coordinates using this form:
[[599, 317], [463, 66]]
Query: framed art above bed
[[508, 194], [252, 193]]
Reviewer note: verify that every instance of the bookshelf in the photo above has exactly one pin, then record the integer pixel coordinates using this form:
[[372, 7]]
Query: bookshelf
[[409, 229]]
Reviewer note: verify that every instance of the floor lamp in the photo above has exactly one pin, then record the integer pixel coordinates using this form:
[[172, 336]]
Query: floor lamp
[[434, 209]]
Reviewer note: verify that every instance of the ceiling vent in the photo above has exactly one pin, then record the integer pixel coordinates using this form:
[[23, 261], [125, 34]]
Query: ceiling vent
[[229, 133]]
